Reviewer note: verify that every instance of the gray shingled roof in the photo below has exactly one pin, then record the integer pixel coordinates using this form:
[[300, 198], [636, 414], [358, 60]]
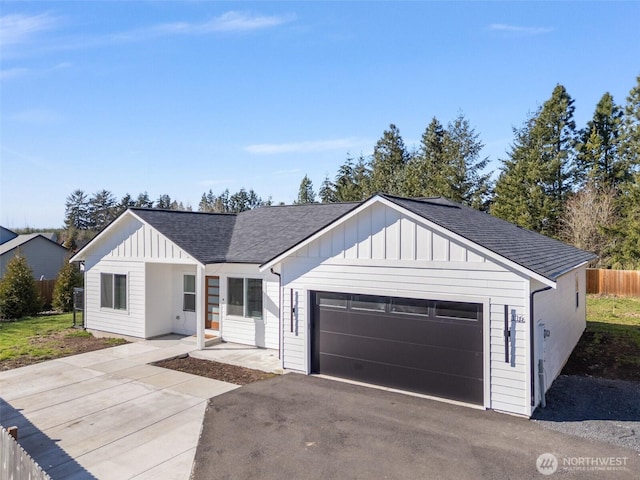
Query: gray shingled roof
[[264, 233], [254, 236], [204, 236], [538, 253], [259, 235]]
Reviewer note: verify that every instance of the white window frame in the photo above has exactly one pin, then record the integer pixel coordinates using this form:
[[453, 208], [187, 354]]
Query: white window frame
[[245, 298], [112, 305], [185, 293]]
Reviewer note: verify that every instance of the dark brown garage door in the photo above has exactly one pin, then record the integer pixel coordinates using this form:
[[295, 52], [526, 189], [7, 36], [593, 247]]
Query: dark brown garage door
[[426, 346]]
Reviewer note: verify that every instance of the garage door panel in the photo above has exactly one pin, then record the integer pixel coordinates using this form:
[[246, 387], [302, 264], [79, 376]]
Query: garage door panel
[[426, 382], [424, 357], [459, 334], [400, 343]]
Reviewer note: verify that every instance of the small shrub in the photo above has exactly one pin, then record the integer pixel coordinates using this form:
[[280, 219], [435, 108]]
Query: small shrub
[[69, 278], [18, 294]]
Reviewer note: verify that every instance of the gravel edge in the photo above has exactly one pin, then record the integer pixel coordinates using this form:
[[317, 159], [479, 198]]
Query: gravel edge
[[593, 408]]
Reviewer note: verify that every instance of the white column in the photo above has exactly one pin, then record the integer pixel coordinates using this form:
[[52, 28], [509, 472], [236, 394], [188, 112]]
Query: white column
[[201, 296]]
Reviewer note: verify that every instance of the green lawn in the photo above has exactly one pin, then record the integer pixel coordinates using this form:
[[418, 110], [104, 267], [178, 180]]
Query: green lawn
[[610, 345], [35, 339]]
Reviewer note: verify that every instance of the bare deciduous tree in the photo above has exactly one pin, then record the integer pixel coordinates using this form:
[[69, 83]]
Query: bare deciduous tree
[[587, 217]]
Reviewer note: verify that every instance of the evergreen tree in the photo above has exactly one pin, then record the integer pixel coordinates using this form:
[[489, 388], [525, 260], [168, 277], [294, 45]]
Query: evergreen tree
[[352, 181], [69, 278], [630, 137], [305, 192], [143, 201], [624, 250], [598, 157], [18, 295], [428, 171], [77, 210], [448, 164], [390, 158], [102, 209], [243, 200], [124, 203], [164, 202], [327, 191], [537, 178]]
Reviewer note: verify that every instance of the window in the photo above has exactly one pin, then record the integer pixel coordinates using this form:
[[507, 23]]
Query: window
[[410, 306], [244, 297], [465, 311], [189, 293], [368, 302], [113, 291], [577, 291], [333, 300]]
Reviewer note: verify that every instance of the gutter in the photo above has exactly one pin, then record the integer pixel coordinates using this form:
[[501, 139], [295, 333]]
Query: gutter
[[532, 345], [279, 312]]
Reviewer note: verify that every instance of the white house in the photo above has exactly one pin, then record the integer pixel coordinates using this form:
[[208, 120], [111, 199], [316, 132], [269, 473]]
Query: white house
[[422, 295]]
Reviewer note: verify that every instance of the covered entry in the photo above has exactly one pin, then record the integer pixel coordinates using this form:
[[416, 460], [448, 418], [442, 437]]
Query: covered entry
[[432, 347]]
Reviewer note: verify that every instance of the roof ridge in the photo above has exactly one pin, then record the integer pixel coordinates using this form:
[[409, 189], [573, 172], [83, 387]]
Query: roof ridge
[[168, 210]]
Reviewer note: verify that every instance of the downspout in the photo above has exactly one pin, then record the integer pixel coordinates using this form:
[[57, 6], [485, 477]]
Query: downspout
[[532, 355], [279, 312]]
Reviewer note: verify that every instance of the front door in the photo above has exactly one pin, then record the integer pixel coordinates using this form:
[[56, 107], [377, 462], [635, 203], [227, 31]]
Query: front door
[[213, 303]]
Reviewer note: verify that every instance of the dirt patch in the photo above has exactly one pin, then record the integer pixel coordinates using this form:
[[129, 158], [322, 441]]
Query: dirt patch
[[605, 355], [215, 370], [60, 344]]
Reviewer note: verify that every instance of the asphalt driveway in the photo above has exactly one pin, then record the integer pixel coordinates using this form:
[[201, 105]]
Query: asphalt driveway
[[296, 426]]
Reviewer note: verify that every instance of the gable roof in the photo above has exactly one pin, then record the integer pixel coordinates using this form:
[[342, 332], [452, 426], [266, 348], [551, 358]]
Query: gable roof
[[531, 250], [253, 236], [267, 234], [204, 236], [21, 240], [6, 234]]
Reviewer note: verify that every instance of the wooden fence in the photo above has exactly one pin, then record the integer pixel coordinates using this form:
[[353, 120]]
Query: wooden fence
[[624, 283], [16, 464], [45, 289]]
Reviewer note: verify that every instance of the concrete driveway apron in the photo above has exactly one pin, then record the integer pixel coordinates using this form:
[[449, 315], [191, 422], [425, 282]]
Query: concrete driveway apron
[[108, 414]]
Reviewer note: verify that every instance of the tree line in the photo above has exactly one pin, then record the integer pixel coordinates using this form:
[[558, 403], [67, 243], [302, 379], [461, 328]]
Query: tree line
[[580, 185]]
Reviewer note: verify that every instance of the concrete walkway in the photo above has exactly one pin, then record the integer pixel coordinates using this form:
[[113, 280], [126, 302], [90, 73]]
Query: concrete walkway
[[242, 355], [108, 414]]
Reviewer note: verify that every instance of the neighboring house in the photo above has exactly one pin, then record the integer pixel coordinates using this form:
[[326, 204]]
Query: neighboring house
[[422, 295], [6, 235], [45, 257]]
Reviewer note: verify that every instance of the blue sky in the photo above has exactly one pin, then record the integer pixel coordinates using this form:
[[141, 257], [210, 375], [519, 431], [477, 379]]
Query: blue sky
[[181, 97]]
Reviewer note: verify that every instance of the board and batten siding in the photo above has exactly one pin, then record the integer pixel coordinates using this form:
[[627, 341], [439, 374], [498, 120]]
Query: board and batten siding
[[136, 240], [137, 250], [380, 251], [248, 331]]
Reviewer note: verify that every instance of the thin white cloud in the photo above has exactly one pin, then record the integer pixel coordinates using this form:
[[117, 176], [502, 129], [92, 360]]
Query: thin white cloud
[[302, 147], [9, 73], [17, 72], [519, 29], [227, 22], [18, 28], [36, 116]]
